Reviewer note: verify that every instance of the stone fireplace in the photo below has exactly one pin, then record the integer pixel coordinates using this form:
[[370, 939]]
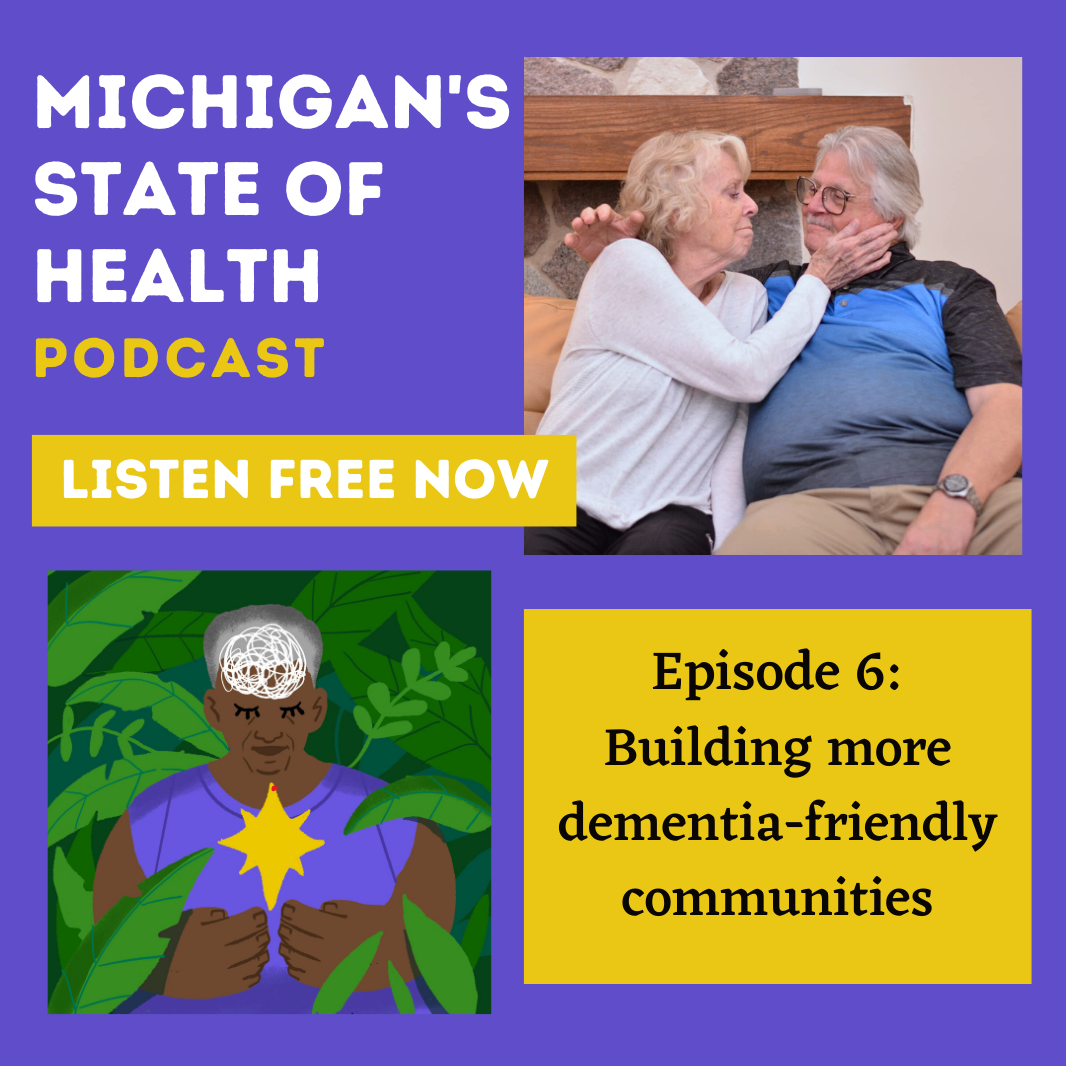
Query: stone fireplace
[[551, 269]]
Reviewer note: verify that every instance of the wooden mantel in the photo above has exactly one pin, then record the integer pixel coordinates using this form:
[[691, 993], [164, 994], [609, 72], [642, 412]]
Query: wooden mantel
[[572, 138]]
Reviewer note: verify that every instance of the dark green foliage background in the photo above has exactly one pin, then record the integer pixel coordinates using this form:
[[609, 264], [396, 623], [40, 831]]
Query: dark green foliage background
[[457, 602]]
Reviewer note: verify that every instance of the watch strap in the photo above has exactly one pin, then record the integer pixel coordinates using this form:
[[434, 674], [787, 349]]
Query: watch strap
[[969, 494]]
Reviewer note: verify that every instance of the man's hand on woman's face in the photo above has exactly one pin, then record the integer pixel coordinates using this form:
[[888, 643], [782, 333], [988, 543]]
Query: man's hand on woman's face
[[218, 955], [593, 230]]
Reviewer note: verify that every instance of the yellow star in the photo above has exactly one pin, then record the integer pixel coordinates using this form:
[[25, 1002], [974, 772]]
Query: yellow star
[[274, 842]]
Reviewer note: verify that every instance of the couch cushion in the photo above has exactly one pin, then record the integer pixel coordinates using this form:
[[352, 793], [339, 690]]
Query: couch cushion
[[547, 324], [1014, 317]]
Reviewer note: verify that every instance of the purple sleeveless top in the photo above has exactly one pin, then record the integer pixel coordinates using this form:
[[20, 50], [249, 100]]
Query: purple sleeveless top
[[189, 811]]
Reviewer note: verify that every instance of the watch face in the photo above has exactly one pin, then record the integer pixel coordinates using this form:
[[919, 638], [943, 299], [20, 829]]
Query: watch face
[[955, 483]]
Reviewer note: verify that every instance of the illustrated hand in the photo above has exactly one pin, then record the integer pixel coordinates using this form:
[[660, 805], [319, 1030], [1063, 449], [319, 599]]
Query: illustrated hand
[[944, 526], [314, 941], [218, 955], [849, 254], [593, 230]]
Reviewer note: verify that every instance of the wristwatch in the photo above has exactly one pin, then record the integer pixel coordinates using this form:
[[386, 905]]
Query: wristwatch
[[960, 486]]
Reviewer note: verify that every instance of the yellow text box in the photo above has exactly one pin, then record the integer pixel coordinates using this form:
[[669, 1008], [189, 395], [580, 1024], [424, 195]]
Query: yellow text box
[[963, 907], [303, 481]]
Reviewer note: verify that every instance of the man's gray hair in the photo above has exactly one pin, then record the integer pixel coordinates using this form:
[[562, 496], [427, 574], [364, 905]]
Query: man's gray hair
[[880, 158], [231, 623]]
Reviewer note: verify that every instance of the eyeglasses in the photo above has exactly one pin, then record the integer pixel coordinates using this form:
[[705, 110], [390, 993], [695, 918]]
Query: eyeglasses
[[833, 200]]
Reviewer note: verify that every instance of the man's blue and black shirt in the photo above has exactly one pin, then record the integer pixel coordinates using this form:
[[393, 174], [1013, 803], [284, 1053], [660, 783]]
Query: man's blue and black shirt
[[876, 396]]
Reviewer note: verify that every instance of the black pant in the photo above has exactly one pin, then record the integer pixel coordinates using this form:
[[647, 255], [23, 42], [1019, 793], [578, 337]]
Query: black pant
[[674, 530]]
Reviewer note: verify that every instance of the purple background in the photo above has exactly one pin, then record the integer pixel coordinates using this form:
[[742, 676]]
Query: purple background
[[422, 336]]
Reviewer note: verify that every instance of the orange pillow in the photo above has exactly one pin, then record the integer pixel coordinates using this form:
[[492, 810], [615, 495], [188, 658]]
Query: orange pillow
[[547, 324], [1014, 317]]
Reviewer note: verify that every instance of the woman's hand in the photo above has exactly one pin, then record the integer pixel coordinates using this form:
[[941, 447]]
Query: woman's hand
[[849, 254], [216, 954], [314, 943], [593, 230]]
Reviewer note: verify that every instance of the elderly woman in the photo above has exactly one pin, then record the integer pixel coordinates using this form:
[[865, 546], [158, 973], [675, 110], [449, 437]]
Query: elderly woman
[[263, 941], [653, 385]]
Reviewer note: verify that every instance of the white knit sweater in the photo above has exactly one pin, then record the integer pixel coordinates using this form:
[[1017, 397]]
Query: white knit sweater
[[654, 387]]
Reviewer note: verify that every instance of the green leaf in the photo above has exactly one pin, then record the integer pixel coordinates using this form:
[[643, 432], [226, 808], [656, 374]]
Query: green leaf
[[407, 709], [348, 606], [379, 696], [392, 729], [74, 899], [467, 709], [107, 797], [80, 855], [405, 1003], [483, 979], [67, 942], [434, 690], [345, 977], [123, 738], [464, 849], [88, 617], [444, 801], [441, 961], [363, 719], [172, 707], [96, 737], [412, 665], [124, 946], [169, 639], [75, 594], [66, 741], [477, 927], [452, 736], [472, 884], [448, 664]]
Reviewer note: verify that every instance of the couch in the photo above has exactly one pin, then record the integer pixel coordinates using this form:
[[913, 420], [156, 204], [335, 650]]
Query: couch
[[547, 324]]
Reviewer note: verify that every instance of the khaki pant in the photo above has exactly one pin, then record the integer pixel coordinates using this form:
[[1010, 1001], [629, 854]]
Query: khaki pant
[[864, 522]]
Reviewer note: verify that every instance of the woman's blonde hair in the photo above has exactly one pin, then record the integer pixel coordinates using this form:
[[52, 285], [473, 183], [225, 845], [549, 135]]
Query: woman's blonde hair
[[665, 181]]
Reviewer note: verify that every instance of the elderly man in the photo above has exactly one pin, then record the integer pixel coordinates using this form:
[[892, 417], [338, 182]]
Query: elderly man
[[263, 941], [898, 430]]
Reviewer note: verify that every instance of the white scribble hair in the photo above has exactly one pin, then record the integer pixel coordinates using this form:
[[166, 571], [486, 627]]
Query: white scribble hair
[[261, 643]]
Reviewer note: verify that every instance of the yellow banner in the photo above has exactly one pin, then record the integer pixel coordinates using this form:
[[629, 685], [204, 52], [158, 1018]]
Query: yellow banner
[[303, 481], [777, 797]]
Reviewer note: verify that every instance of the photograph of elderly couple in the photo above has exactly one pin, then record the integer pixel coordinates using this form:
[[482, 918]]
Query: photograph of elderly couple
[[774, 368]]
